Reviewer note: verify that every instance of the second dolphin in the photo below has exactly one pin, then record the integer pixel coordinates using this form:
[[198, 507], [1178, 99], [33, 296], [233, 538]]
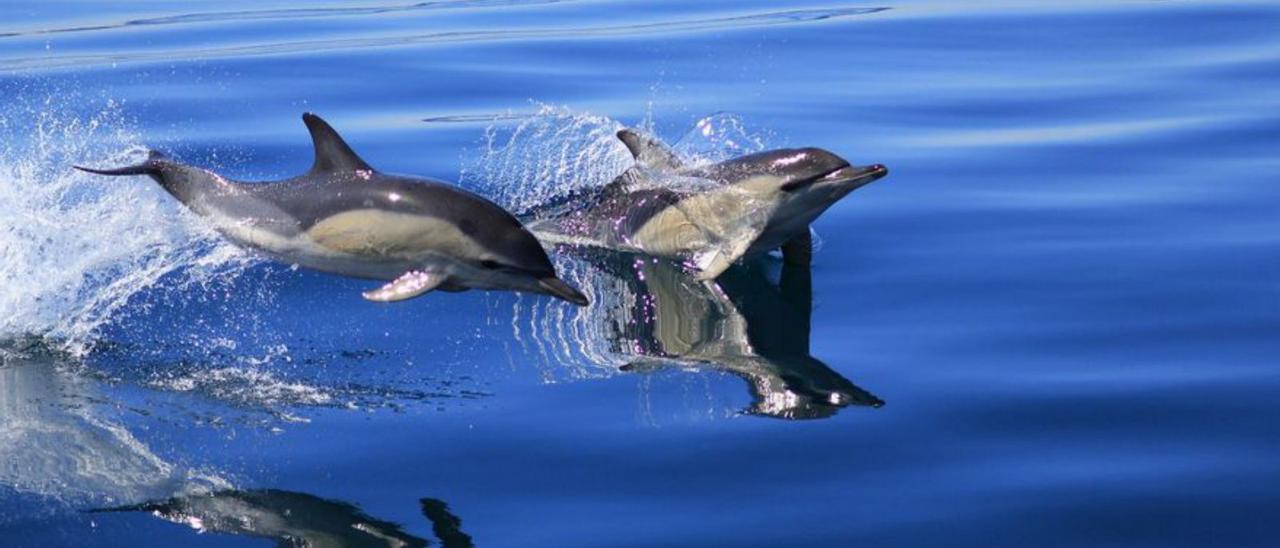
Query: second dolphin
[[725, 211]]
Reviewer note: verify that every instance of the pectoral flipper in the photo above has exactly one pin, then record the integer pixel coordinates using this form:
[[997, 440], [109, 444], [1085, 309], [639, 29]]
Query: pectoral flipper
[[409, 285]]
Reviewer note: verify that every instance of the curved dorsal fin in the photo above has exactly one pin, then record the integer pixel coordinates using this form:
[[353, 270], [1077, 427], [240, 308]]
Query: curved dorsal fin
[[332, 153], [650, 152]]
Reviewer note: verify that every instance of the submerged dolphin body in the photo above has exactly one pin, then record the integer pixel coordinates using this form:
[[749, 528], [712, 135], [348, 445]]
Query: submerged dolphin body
[[345, 217], [747, 206]]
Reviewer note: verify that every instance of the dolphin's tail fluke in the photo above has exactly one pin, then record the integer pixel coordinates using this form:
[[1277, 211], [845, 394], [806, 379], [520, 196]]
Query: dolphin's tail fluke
[[151, 166]]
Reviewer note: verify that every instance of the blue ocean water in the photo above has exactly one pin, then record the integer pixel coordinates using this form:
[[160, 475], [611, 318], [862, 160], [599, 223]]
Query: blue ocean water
[[1055, 323]]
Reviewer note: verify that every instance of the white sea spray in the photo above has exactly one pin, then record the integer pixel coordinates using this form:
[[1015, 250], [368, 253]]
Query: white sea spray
[[76, 248]]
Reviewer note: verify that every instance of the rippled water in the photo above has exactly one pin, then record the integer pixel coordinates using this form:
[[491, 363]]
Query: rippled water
[[1054, 324]]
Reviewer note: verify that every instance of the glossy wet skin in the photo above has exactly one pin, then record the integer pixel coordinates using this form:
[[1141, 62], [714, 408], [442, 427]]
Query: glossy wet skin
[[504, 247]]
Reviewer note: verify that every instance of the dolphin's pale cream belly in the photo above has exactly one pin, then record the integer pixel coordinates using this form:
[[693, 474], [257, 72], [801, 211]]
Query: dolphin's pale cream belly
[[702, 221], [365, 243], [709, 230], [669, 233], [712, 229], [378, 233]]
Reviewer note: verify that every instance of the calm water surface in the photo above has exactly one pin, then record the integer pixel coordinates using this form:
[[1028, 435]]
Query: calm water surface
[[1056, 323]]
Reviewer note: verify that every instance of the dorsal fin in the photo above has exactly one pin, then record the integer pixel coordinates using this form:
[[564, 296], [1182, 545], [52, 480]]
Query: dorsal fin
[[332, 153], [650, 152]]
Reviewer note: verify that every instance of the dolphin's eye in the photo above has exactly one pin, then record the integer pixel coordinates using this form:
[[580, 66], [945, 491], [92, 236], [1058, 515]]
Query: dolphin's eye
[[491, 265]]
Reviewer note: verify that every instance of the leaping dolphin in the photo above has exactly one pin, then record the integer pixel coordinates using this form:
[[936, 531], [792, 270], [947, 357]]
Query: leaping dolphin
[[754, 204], [345, 217]]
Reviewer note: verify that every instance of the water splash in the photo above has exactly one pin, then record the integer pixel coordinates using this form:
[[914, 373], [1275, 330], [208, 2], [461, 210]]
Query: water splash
[[559, 152], [75, 249], [547, 155], [721, 136]]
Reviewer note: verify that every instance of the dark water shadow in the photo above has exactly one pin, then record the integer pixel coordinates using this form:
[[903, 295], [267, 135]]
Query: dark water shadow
[[744, 324], [446, 526], [293, 519]]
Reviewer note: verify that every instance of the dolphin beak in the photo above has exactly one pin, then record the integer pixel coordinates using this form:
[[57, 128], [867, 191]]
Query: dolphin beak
[[854, 176], [857, 176], [556, 287], [875, 171]]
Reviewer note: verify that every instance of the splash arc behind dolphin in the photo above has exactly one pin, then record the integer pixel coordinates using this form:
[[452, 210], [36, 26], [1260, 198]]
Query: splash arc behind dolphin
[[345, 217]]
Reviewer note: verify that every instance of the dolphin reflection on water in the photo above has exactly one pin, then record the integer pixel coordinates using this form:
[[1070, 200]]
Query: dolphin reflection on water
[[63, 447], [62, 441], [299, 519], [656, 316]]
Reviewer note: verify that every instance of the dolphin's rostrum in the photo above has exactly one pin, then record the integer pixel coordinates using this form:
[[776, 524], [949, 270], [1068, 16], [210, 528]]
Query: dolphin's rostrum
[[345, 217]]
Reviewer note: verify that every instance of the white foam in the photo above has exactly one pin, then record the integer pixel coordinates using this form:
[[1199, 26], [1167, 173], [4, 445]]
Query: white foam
[[75, 247], [246, 386]]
